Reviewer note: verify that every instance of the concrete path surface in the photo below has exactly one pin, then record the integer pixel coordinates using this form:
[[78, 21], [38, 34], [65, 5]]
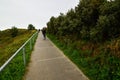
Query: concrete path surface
[[49, 63]]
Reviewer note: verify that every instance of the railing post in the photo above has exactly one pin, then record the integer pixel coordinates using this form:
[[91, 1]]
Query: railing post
[[30, 44], [33, 38], [24, 56]]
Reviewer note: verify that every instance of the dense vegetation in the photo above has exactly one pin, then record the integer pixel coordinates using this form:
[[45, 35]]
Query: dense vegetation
[[90, 35]]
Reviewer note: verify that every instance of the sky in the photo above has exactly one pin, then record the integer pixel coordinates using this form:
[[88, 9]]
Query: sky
[[21, 13]]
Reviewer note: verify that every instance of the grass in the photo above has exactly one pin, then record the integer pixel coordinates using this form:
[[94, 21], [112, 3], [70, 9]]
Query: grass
[[8, 44], [100, 66], [16, 68]]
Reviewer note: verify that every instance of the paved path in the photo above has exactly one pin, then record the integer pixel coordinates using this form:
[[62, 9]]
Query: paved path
[[49, 63]]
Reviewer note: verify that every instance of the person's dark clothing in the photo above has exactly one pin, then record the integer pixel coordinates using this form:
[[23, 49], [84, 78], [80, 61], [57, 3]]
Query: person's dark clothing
[[38, 30], [44, 33]]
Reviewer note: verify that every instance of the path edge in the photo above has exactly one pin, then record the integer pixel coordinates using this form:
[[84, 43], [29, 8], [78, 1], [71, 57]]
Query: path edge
[[61, 52]]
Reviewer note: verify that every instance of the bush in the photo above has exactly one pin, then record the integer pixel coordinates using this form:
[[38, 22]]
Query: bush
[[14, 31]]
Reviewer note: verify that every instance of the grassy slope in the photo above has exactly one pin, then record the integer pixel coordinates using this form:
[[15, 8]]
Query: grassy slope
[[97, 61], [9, 45], [16, 68]]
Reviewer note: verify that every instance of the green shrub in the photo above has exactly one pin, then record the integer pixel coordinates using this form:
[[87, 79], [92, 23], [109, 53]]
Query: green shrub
[[14, 31]]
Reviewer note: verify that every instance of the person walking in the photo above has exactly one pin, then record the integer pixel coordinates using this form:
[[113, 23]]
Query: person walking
[[44, 33]]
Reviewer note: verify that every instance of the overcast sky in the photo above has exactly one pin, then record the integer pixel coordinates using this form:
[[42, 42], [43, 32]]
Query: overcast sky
[[20, 13]]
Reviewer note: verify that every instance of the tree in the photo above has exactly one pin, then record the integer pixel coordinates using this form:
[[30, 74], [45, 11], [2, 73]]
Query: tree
[[31, 27], [88, 20], [108, 21]]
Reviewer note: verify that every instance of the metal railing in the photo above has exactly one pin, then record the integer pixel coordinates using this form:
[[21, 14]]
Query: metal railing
[[21, 48]]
